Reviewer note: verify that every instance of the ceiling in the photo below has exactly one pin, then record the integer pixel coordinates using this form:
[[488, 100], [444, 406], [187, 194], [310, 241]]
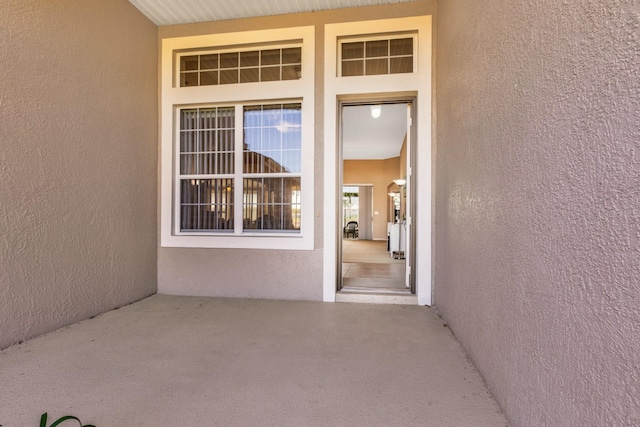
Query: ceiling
[[171, 12], [366, 138]]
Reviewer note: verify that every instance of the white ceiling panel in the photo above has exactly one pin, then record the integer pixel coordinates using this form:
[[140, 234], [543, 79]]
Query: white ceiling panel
[[368, 138], [171, 12]]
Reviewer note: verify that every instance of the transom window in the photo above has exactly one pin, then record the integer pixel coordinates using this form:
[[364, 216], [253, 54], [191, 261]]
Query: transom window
[[374, 56], [264, 167], [220, 68]]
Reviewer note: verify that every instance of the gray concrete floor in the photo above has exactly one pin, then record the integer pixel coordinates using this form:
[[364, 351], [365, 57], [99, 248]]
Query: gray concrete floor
[[180, 361]]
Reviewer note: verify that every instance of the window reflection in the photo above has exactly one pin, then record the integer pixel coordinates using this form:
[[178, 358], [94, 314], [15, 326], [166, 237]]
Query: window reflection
[[272, 145]]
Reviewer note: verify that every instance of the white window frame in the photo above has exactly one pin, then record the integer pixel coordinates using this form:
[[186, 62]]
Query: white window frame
[[174, 97], [417, 83]]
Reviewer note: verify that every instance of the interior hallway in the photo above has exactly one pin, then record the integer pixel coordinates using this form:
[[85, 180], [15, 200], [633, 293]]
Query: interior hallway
[[368, 264], [185, 361]]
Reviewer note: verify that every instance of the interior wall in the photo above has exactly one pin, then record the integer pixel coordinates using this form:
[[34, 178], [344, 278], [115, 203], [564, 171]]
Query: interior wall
[[379, 173], [273, 274], [538, 203], [78, 180]]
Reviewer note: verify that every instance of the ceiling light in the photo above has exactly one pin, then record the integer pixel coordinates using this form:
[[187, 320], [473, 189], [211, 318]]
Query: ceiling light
[[400, 182], [376, 110]]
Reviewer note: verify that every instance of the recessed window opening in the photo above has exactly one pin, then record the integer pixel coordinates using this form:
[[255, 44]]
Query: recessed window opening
[[267, 174], [218, 67], [376, 55]]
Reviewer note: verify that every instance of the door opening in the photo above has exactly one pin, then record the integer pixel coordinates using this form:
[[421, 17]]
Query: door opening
[[375, 254]]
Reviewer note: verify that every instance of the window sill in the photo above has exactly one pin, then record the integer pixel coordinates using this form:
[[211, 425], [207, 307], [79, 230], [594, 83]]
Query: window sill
[[279, 241]]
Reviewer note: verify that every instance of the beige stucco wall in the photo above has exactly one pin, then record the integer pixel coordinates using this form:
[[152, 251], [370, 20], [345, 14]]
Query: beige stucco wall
[[538, 203], [266, 273], [380, 174], [78, 144]]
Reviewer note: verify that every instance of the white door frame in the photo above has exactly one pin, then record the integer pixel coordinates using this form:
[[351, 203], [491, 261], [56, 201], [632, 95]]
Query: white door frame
[[415, 85]]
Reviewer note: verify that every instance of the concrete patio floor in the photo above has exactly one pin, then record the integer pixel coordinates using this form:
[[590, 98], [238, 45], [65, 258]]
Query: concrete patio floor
[[181, 361]]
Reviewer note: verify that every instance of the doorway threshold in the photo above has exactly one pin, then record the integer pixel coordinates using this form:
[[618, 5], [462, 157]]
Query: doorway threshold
[[376, 296]]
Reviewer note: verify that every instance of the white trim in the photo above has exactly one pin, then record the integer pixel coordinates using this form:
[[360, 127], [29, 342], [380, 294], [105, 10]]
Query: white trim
[[418, 83], [173, 96]]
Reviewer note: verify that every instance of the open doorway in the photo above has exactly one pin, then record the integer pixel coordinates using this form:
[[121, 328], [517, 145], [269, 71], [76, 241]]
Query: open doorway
[[376, 158]]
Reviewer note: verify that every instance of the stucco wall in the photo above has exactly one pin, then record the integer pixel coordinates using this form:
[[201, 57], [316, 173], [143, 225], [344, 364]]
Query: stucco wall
[[78, 144], [538, 203], [266, 273]]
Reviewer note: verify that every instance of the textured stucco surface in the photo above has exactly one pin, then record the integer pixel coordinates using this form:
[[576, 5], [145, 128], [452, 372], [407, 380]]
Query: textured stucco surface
[[240, 273], [538, 203], [268, 273], [78, 138]]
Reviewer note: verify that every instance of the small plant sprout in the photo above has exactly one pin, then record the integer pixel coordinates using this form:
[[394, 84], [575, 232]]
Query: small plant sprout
[[59, 421]]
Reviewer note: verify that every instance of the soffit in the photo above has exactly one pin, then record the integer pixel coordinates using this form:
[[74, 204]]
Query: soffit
[[171, 12]]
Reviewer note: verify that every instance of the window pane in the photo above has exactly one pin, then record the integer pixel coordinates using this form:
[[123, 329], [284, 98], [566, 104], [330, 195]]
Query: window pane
[[188, 63], [252, 116], [226, 141], [226, 118], [353, 50], [248, 75], [206, 146], [377, 48], [401, 65], [250, 59], [188, 79], [273, 139], [271, 57], [270, 74], [208, 78], [209, 62], [189, 143], [292, 55], [228, 76], [271, 204], [353, 68], [189, 119], [401, 47], [377, 66], [206, 204], [188, 164], [291, 72], [207, 118], [229, 60]]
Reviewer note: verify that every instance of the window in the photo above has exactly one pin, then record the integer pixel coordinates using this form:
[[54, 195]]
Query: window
[[219, 68], [237, 166], [270, 167], [207, 168], [376, 55]]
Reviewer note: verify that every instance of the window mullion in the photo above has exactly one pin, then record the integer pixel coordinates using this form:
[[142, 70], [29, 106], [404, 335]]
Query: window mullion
[[238, 188]]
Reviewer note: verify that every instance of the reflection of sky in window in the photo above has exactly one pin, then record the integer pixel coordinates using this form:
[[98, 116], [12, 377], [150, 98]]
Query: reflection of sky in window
[[275, 132]]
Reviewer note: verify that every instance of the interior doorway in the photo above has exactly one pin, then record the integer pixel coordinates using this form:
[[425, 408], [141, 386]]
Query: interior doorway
[[375, 148]]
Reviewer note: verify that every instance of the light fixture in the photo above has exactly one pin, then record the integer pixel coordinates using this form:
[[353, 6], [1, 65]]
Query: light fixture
[[392, 194], [376, 110], [400, 181]]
